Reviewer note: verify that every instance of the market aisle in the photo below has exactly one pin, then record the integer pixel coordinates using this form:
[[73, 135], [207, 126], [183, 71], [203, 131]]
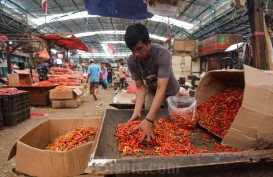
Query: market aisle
[[89, 108]]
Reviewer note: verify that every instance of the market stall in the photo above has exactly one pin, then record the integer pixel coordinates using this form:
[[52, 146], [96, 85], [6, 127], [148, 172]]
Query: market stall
[[108, 161]]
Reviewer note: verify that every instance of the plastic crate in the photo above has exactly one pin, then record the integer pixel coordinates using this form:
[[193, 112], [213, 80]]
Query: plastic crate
[[1, 111], [15, 103], [1, 121], [13, 118]]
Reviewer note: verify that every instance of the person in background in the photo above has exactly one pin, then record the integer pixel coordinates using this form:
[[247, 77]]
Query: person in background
[[122, 76], [150, 66], [93, 72], [78, 68], [104, 74], [110, 74], [42, 70]]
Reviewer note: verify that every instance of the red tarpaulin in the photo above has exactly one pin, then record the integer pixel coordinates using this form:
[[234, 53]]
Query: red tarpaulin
[[66, 42]]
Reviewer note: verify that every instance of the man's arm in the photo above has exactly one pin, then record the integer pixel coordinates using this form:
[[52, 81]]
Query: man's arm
[[88, 76], [162, 84], [147, 125], [140, 97]]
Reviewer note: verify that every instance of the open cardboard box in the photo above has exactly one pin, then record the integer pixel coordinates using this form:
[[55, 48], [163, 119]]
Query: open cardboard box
[[33, 160], [65, 95], [252, 127], [71, 103], [20, 75]]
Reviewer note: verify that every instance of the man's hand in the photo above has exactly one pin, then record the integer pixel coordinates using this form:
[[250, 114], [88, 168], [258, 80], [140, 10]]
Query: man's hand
[[147, 128], [135, 116]]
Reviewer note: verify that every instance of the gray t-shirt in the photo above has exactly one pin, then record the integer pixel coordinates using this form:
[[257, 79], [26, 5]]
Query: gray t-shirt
[[159, 65]]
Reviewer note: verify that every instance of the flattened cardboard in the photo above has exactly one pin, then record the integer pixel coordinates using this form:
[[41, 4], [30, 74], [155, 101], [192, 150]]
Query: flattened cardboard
[[33, 160], [67, 103], [252, 128]]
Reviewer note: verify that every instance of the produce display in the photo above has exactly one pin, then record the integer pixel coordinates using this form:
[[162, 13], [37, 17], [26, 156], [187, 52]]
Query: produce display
[[171, 140], [10, 91], [23, 83], [62, 88], [44, 84], [72, 139], [65, 76], [219, 111], [62, 76]]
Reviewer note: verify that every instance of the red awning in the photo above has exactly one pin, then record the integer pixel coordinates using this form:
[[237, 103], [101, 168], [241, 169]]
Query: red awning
[[66, 42]]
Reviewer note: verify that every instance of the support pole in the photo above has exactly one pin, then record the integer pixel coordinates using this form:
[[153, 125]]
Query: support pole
[[256, 18], [8, 57]]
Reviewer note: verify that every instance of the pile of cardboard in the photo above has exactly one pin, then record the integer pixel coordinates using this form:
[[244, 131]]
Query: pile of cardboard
[[66, 99]]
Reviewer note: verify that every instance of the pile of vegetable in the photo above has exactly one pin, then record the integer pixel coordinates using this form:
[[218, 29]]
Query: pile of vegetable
[[188, 119], [10, 91], [62, 88], [171, 140], [219, 111], [44, 84], [72, 139], [23, 83]]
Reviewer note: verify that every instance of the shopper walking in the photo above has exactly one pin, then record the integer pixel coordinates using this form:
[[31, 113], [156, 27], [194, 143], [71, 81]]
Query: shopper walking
[[93, 72], [122, 76]]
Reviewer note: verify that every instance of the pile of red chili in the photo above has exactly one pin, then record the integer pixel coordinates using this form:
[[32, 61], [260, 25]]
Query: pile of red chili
[[44, 84], [219, 111], [73, 138], [171, 140]]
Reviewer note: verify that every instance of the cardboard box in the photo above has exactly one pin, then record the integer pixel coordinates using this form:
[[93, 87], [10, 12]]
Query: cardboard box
[[184, 45], [65, 95], [20, 75], [73, 103], [33, 160], [252, 127]]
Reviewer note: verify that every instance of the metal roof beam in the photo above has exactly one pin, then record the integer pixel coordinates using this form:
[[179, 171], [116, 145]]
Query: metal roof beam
[[221, 24], [195, 3], [63, 11], [216, 19], [155, 27], [186, 8], [113, 27], [102, 28]]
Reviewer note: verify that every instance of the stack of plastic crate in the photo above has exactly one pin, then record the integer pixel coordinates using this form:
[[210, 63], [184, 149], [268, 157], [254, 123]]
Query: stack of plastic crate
[[1, 115], [15, 108]]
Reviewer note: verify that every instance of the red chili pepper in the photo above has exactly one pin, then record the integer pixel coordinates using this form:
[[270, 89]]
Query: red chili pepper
[[73, 138], [171, 139], [219, 111]]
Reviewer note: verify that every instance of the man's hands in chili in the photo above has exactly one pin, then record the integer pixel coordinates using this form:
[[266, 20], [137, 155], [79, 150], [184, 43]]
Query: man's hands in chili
[[146, 126]]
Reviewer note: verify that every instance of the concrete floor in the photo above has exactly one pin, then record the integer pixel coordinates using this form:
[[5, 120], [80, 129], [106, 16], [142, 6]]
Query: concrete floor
[[9, 135]]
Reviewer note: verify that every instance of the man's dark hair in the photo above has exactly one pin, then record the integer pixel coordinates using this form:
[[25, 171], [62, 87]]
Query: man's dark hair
[[135, 33]]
